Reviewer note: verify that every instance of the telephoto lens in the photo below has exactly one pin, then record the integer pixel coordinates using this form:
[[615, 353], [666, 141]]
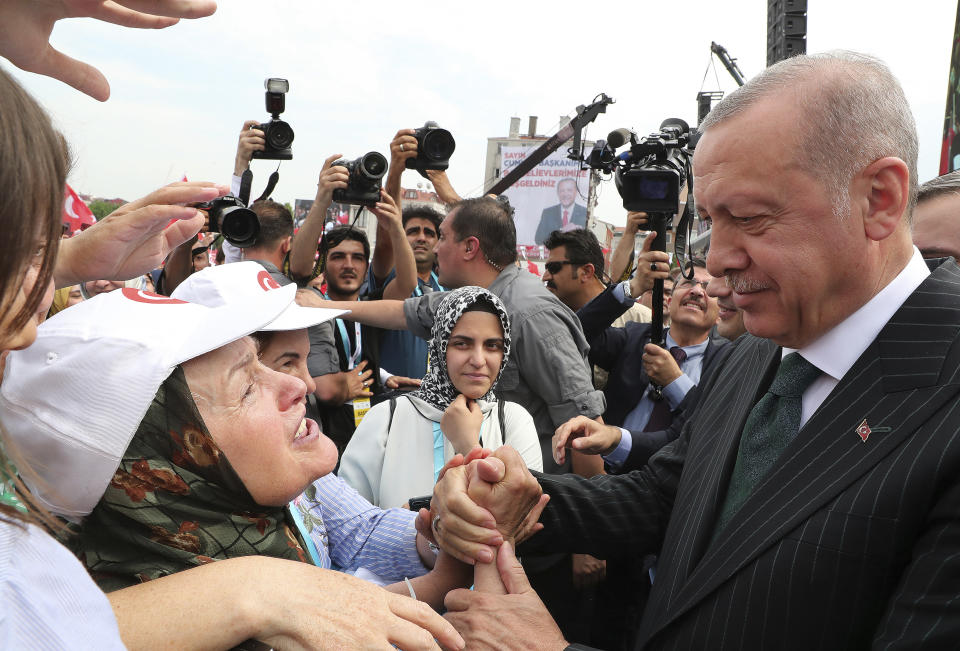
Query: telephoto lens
[[434, 148]]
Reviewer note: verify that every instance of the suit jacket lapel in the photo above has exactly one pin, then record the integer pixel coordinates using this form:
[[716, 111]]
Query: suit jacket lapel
[[893, 387]]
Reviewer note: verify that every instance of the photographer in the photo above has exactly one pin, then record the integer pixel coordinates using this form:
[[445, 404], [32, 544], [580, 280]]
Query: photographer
[[389, 232]]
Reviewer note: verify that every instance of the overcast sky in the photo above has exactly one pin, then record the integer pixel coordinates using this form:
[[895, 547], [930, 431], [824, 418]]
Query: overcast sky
[[360, 71]]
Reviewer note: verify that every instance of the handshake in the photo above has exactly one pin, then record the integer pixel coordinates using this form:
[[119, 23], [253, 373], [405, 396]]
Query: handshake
[[483, 504], [481, 501]]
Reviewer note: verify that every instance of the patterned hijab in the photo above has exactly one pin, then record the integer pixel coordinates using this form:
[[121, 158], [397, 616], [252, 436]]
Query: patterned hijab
[[437, 389], [175, 502]]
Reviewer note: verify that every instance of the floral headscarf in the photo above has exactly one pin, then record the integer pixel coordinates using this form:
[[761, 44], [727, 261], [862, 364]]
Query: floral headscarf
[[175, 502], [436, 388]]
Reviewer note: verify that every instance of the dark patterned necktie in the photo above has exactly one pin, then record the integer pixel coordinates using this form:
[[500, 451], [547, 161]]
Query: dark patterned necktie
[[661, 416], [771, 425]]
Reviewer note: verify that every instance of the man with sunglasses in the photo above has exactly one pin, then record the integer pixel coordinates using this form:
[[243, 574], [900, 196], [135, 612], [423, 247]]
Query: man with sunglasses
[[574, 272]]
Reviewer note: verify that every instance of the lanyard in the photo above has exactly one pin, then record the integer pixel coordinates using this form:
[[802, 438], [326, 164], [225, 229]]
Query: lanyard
[[434, 283], [355, 357], [293, 512], [437, 452]]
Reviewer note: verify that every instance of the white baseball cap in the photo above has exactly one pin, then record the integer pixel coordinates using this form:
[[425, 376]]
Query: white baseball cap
[[73, 400], [228, 283]]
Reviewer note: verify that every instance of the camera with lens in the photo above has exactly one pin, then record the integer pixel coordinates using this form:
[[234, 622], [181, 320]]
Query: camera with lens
[[434, 148], [238, 224], [650, 176], [277, 133], [363, 186]]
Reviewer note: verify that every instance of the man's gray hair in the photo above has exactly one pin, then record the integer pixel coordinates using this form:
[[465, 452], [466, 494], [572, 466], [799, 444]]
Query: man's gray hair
[[937, 187], [853, 110]]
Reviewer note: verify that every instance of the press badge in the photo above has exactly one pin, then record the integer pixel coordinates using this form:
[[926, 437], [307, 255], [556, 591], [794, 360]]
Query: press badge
[[360, 408]]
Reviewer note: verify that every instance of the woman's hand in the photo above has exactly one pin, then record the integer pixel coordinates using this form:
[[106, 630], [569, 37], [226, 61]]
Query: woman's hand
[[461, 424]]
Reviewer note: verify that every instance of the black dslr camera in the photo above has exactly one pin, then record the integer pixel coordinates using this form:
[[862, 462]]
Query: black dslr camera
[[277, 133], [238, 224], [650, 175], [363, 186], [434, 148]]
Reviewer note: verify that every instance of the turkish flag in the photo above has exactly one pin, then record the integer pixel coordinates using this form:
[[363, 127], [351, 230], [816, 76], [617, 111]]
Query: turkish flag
[[532, 268], [75, 212]]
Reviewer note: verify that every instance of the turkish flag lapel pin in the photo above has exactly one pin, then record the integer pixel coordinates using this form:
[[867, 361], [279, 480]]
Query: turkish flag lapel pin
[[863, 430]]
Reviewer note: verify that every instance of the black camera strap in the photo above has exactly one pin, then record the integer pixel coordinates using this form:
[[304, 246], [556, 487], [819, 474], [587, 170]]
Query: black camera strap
[[271, 184], [246, 183], [246, 180]]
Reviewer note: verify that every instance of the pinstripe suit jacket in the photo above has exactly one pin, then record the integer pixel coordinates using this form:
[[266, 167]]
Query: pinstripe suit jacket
[[845, 544]]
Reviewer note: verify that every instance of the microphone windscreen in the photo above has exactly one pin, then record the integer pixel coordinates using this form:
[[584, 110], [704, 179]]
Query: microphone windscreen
[[618, 138]]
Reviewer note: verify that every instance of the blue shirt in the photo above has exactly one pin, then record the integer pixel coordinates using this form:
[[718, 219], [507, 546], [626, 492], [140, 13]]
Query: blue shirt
[[402, 352], [348, 532]]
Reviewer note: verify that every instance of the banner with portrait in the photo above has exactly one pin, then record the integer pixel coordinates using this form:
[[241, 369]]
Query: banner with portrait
[[551, 196]]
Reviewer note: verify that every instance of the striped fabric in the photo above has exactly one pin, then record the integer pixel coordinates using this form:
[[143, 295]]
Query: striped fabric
[[351, 533], [846, 544], [47, 599]]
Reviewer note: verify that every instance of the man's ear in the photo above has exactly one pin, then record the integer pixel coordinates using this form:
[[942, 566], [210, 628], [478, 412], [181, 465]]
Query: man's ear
[[285, 245], [585, 272], [471, 248], [884, 188]]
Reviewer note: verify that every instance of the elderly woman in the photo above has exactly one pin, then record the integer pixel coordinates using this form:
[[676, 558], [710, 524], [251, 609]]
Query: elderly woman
[[400, 446], [49, 600], [221, 450]]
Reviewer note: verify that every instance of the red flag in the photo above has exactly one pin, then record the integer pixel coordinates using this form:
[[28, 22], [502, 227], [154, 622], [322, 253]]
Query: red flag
[[532, 268], [76, 213], [184, 179]]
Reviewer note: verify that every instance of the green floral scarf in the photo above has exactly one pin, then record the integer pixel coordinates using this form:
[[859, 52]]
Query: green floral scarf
[[175, 502]]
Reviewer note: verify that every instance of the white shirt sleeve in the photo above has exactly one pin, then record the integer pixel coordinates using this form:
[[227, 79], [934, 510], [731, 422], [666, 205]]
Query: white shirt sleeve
[[520, 433]]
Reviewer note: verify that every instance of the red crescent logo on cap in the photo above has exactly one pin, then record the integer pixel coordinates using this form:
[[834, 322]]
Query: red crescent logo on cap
[[266, 281], [141, 296]]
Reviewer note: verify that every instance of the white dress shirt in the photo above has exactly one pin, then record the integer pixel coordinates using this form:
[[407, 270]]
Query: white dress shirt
[[835, 352]]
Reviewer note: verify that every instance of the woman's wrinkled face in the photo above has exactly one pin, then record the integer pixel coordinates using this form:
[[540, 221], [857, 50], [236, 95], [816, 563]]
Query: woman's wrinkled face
[[20, 338], [256, 416], [474, 353]]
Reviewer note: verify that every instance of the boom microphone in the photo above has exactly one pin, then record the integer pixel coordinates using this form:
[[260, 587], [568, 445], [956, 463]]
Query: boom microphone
[[619, 138]]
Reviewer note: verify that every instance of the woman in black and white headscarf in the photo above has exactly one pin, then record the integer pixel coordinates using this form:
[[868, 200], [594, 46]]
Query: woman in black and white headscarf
[[400, 446]]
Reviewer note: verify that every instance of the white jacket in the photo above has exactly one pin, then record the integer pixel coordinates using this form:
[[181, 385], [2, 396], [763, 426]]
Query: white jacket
[[390, 464]]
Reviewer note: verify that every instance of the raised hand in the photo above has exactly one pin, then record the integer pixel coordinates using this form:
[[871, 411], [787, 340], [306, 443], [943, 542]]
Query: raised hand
[[25, 27]]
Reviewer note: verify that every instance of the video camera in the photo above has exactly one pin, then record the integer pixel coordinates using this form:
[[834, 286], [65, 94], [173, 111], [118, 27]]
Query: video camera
[[649, 177], [363, 186], [238, 224], [277, 133], [651, 173], [434, 148]]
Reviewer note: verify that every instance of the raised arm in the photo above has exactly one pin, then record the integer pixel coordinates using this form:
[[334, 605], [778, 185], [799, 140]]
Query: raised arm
[[135, 237], [303, 249], [621, 255], [441, 183], [390, 223], [250, 140], [386, 314]]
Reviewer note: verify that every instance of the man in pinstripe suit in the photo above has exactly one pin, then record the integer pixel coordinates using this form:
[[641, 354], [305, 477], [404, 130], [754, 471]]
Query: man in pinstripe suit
[[851, 537]]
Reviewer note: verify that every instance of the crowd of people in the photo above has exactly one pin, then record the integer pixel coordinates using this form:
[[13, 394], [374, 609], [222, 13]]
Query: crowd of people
[[309, 442]]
